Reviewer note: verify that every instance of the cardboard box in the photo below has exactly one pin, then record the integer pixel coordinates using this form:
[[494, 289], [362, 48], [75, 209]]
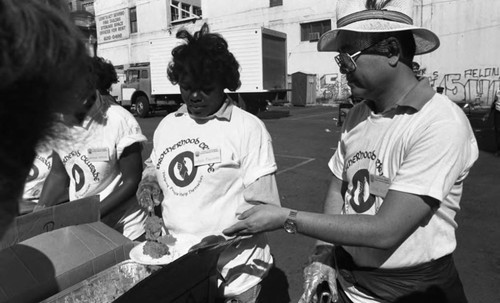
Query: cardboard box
[[44, 265], [81, 211]]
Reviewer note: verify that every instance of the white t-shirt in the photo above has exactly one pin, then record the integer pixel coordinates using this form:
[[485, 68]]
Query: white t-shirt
[[37, 175], [91, 159], [203, 169], [426, 152]]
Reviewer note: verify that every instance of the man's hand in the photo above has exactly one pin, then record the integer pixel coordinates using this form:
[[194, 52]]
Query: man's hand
[[314, 275], [260, 218], [319, 271], [149, 193]]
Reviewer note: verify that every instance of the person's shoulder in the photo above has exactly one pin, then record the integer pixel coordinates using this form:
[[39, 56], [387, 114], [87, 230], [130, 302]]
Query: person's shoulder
[[441, 110], [440, 103], [117, 110], [241, 115], [171, 120], [119, 117], [247, 122]]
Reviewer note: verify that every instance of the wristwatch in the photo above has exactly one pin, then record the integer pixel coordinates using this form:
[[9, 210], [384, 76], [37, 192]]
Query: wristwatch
[[290, 224]]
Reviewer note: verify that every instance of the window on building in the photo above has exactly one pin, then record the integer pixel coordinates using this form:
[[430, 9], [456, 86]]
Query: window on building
[[185, 11], [180, 11], [174, 10], [313, 30], [133, 20], [197, 10], [275, 3]]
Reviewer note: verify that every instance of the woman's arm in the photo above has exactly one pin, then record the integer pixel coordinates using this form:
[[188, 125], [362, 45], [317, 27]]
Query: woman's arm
[[131, 168], [55, 188]]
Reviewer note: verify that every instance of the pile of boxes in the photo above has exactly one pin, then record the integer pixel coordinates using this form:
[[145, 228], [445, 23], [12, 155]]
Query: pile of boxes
[[45, 252]]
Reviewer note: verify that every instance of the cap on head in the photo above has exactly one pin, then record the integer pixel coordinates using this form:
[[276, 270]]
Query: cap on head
[[377, 16]]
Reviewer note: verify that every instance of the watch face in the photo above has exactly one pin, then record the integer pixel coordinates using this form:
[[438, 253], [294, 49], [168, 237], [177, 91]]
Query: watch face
[[290, 226]]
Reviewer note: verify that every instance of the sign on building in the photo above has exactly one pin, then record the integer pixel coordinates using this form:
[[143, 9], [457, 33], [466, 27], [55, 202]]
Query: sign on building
[[113, 26]]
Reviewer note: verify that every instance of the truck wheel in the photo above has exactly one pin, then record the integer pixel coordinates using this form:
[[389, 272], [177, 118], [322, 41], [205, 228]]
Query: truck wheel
[[142, 106]]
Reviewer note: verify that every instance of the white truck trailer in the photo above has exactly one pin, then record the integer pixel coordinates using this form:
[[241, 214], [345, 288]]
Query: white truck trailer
[[261, 53]]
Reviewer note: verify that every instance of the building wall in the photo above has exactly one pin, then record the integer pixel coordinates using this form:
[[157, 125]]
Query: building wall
[[153, 21], [302, 55], [465, 64], [287, 18]]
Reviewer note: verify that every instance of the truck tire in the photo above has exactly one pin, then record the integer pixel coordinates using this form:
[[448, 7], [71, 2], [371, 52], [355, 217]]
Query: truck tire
[[142, 106]]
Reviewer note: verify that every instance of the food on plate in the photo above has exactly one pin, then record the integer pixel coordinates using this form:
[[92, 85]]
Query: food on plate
[[155, 249], [156, 245], [167, 239], [153, 226]]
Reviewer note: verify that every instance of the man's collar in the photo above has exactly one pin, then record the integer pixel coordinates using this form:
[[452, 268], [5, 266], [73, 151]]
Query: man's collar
[[224, 112], [418, 96]]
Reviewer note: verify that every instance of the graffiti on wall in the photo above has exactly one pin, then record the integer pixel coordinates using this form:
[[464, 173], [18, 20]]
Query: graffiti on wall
[[477, 86]]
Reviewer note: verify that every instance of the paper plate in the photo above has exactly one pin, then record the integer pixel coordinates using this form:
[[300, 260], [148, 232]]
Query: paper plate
[[137, 255]]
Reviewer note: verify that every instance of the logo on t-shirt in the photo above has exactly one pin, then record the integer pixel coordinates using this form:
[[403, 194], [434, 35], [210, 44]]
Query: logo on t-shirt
[[359, 196], [33, 174], [40, 168], [79, 177], [82, 171], [182, 170], [361, 200]]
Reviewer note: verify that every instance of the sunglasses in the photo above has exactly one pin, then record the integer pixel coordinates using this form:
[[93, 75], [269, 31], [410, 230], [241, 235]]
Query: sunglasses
[[347, 62]]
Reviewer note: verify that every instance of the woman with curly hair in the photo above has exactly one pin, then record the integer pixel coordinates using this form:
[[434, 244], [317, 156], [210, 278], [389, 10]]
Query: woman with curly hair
[[210, 161], [106, 77], [102, 156]]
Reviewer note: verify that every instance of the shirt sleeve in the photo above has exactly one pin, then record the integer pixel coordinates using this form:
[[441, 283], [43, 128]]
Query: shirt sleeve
[[263, 190], [258, 156], [336, 163], [437, 159], [129, 133]]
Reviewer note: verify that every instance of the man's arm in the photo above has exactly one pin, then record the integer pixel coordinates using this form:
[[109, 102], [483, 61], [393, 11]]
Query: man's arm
[[400, 214], [334, 201]]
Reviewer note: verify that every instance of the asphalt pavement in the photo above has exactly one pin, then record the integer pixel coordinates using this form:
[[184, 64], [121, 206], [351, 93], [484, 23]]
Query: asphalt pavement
[[304, 138]]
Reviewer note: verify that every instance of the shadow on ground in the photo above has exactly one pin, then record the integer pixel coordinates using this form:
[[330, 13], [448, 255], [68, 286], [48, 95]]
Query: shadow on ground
[[275, 287]]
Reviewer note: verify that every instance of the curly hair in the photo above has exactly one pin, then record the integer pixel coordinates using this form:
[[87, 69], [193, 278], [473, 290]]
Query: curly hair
[[205, 56], [44, 69], [106, 74]]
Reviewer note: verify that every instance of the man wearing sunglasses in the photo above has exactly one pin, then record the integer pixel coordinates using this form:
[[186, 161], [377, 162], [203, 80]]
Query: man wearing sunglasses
[[397, 174]]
